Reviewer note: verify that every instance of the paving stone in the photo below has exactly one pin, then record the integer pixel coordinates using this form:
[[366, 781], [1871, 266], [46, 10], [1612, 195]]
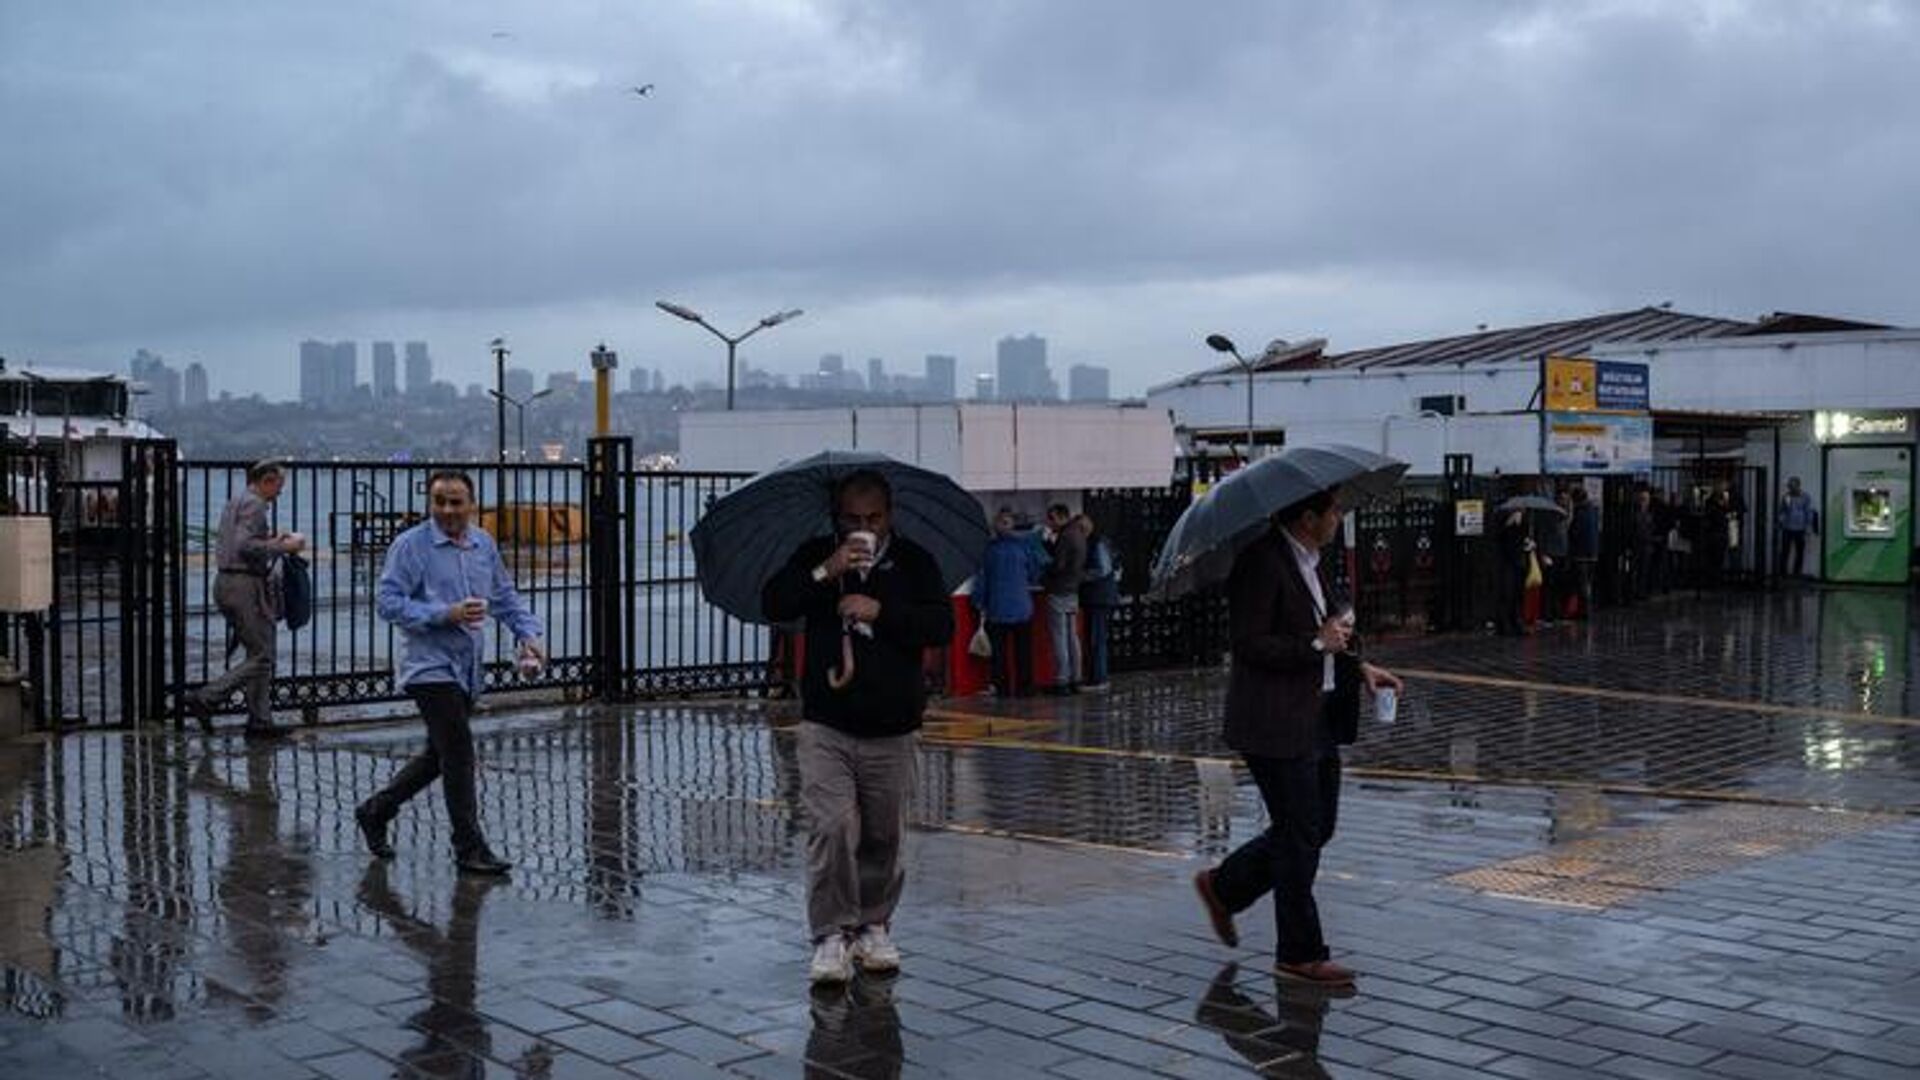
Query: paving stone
[[1648, 1046], [1528, 1044]]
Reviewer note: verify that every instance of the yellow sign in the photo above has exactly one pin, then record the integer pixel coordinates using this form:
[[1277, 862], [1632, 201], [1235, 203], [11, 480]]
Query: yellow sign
[[1571, 385]]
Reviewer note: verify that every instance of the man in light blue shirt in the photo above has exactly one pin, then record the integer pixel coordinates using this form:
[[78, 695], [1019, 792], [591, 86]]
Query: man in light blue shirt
[[442, 578]]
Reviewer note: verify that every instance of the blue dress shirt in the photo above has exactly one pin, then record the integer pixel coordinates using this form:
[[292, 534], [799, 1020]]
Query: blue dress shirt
[[427, 572]]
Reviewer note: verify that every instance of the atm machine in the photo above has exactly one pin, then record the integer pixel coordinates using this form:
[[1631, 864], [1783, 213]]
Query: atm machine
[[1867, 523]]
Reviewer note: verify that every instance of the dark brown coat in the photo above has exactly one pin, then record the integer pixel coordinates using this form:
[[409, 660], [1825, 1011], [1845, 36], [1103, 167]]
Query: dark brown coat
[[1274, 700]]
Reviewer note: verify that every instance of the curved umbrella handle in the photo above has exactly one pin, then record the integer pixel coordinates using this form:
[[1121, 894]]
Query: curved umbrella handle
[[839, 678]]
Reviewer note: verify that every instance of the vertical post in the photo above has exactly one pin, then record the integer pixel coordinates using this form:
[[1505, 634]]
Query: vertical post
[[500, 401], [731, 345], [608, 535], [1249, 414], [604, 360]]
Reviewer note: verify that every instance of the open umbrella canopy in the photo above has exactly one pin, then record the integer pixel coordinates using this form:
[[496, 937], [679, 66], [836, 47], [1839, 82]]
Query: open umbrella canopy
[[751, 532], [1537, 504], [1202, 545]]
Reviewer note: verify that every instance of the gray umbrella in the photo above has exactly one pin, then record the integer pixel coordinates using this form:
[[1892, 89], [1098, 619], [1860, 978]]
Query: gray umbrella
[[1538, 504], [751, 532], [1202, 545]]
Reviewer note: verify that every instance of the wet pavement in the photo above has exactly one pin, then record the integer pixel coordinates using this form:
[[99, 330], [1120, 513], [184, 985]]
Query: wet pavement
[[1678, 842]]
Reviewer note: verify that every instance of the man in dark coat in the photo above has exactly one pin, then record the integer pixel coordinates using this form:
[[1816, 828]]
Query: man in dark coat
[[1293, 698], [872, 601]]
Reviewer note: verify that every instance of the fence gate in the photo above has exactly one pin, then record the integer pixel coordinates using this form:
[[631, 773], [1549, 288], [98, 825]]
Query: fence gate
[[102, 654]]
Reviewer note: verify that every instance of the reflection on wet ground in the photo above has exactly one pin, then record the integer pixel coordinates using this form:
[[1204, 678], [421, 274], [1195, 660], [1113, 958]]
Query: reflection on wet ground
[[1806, 697], [184, 907]]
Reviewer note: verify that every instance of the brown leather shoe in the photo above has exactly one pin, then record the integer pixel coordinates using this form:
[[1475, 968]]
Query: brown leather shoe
[[1316, 973], [1217, 912]]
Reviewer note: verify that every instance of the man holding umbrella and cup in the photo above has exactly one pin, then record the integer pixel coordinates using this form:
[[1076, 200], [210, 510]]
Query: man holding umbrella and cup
[[1293, 693], [815, 541]]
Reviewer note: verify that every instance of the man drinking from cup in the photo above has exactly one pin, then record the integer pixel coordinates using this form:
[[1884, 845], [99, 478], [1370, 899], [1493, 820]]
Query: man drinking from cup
[[872, 601], [442, 579]]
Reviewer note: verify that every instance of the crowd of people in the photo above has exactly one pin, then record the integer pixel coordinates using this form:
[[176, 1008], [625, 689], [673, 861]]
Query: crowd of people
[[1068, 565], [1694, 539]]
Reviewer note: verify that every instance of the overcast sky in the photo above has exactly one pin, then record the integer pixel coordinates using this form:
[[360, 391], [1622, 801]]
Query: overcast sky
[[217, 180]]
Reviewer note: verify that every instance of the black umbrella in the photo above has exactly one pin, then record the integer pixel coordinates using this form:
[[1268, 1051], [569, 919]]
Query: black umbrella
[[1202, 545], [751, 532], [1538, 504]]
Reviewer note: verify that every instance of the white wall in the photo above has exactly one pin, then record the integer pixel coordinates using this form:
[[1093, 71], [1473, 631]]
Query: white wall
[[1877, 369], [986, 448]]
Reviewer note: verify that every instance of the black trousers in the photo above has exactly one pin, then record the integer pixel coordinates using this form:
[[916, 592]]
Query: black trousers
[[448, 758], [1793, 552], [1303, 802], [1012, 644]]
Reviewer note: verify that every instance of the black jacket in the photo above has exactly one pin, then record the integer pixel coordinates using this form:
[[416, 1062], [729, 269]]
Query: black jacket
[[887, 695], [1275, 704]]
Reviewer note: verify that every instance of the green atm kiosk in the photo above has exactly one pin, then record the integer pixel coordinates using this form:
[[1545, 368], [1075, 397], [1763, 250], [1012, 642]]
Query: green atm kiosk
[[1867, 522]]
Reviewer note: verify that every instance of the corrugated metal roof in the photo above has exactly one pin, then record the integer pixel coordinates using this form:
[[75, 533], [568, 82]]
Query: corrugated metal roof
[[1569, 337]]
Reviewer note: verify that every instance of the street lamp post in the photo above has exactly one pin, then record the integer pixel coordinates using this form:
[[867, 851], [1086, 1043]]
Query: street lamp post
[[500, 352], [519, 412], [680, 311], [1222, 343]]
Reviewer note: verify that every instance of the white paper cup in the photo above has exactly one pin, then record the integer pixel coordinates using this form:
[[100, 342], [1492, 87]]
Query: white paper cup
[[1386, 705], [865, 541]]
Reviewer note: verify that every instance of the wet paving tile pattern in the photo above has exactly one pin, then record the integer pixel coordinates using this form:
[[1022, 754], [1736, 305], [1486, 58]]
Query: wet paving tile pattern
[[182, 907]]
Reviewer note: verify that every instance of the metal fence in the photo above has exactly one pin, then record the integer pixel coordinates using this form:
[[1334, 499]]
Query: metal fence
[[599, 548], [102, 648]]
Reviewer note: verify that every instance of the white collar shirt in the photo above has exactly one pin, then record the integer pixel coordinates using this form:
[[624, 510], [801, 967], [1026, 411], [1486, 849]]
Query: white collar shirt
[[1308, 560]]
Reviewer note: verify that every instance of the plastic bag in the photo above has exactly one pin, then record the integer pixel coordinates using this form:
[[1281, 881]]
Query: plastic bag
[[980, 645], [1535, 578]]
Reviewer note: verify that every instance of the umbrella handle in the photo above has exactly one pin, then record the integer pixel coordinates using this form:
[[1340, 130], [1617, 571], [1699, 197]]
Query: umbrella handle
[[839, 678]]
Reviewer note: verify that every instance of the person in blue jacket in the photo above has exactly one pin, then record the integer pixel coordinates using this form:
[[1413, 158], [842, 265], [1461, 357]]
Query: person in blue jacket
[[1003, 597]]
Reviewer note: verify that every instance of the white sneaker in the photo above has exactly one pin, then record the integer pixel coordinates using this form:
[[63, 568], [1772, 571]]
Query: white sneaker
[[873, 950], [831, 964]]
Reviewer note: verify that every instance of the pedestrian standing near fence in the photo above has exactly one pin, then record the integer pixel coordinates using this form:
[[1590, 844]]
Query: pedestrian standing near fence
[[443, 577], [1003, 598], [1062, 584], [244, 554], [1099, 595]]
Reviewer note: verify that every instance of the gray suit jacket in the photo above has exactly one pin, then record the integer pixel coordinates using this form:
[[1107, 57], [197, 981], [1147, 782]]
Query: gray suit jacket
[[1275, 704]]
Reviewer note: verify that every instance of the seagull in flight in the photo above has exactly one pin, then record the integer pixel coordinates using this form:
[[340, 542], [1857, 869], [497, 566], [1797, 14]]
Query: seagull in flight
[[641, 91], [501, 35]]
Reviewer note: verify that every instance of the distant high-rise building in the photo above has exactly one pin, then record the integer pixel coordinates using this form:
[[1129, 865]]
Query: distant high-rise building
[[833, 364], [162, 382], [419, 369], [1088, 382], [386, 376], [659, 381], [564, 384], [194, 391], [316, 372], [938, 383], [637, 382], [519, 383], [877, 375], [1021, 370], [983, 388], [343, 372]]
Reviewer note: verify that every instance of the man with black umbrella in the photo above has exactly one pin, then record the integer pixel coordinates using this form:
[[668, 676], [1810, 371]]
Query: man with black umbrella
[[872, 601], [1293, 699]]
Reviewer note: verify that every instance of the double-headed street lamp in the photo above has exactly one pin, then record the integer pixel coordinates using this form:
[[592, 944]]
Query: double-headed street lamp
[[680, 311], [1222, 343], [519, 412]]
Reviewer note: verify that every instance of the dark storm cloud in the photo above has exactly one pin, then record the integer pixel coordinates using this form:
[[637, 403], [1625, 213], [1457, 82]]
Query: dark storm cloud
[[188, 169]]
